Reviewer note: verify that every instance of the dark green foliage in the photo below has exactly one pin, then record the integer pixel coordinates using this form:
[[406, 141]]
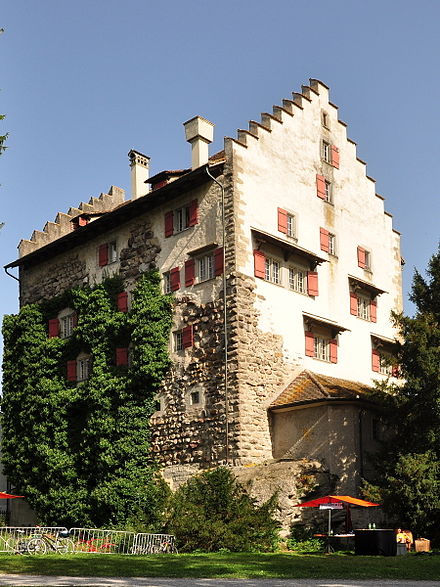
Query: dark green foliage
[[80, 452], [212, 512], [409, 467]]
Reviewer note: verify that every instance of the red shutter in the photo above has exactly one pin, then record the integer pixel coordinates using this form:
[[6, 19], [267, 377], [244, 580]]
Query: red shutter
[[175, 279], [121, 356], [353, 304], [187, 337], [362, 258], [193, 213], [259, 264], [320, 187], [310, 344], [122, 301], [323, 239], [103, 255], [312, 283], [54, 328], [71, 370], [190, 274], [218, 261], [373, 311], [169, 223], [375, 360], [335, 156], [333, 350], [282, 220]]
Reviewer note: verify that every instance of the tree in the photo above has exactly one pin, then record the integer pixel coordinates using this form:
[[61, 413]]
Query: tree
[[80, 452], [409, 467], [212, 511]]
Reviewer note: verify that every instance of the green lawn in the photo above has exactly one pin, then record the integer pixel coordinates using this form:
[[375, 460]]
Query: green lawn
[[243, 565]]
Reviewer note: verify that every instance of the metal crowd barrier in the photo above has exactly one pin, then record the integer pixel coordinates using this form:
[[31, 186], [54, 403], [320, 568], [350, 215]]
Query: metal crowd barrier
[[15, 539]]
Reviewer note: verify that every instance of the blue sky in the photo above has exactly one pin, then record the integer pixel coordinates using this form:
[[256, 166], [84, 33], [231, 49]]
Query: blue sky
[[83, 82]]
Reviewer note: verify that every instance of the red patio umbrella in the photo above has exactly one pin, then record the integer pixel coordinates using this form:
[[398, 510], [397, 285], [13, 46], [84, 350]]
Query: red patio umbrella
[[337, 502], [8, 495]]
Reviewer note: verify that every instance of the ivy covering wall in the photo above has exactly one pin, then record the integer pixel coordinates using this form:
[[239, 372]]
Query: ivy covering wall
[[79, 451]]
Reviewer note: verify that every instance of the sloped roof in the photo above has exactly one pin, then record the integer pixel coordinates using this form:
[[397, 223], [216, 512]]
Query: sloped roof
[[310, 387]]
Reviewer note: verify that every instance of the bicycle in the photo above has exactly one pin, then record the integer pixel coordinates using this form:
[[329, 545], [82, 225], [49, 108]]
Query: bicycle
[[41, 543], [16, 544], [162, 547]]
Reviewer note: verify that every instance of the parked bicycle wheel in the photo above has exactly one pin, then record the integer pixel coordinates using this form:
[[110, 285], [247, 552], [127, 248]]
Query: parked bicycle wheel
[[36, 546], [65, 546]]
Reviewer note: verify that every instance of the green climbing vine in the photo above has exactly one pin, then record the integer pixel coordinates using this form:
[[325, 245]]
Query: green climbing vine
[[79, 451]]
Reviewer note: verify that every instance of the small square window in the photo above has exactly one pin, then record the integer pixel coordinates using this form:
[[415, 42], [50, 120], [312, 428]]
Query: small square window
[[325, 120], [195, 398], [291, 225], [178, 340]]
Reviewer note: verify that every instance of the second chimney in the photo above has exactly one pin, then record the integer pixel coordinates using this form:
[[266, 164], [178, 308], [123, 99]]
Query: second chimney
[[140, 166], [199, 132]]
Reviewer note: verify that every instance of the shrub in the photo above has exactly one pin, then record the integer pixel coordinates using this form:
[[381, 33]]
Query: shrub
[[213, 512]]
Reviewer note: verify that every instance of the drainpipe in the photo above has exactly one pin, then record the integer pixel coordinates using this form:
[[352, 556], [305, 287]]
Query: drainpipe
[[10, 274], [225, 317]]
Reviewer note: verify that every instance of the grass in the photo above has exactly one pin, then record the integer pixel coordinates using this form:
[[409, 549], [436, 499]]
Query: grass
[[228, 565]]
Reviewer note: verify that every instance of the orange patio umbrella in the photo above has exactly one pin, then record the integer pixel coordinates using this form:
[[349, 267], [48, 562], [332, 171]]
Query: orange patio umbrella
[[4, 495]]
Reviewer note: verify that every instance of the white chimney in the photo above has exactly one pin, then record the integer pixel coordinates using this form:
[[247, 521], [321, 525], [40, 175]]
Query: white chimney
[[199, 132], [140, 166]]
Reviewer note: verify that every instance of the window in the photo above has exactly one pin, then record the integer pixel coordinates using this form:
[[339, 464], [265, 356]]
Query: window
[[178, 341], [381, 362], [107, 253], [364, 258], [324, 189], [298, 280], [67, 324], [194, 398], [325, 119], [330, 154], [322, 347], [272, 271], [182, 218], [286, 223], [160, 402], [205, 267], [166, 283], [363, 306], [327, 241], [83, 368], [325, 151], [183, 338]]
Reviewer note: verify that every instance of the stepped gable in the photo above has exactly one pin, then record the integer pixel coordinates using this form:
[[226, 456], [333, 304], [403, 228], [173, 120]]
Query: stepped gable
[[62, 223], [310, 387], [289, 109]]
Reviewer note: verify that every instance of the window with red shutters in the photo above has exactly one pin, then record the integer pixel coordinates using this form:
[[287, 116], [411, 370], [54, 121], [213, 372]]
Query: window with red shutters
[[333, 350], [324, 239], [121, 356], [103, 255], [353, 304], [218, 261], [334, 156], [54, 327], [193, 216], [190, 272], [169, 223], [310, 344], [187, 337], [375, 360], [321, 191], [122, 301], [373, 311], [312, 283], [259, 264], [175, 278], [71, 370], [282, 220]]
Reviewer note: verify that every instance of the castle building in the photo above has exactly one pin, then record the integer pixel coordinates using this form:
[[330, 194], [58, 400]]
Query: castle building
[[284, 268]]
